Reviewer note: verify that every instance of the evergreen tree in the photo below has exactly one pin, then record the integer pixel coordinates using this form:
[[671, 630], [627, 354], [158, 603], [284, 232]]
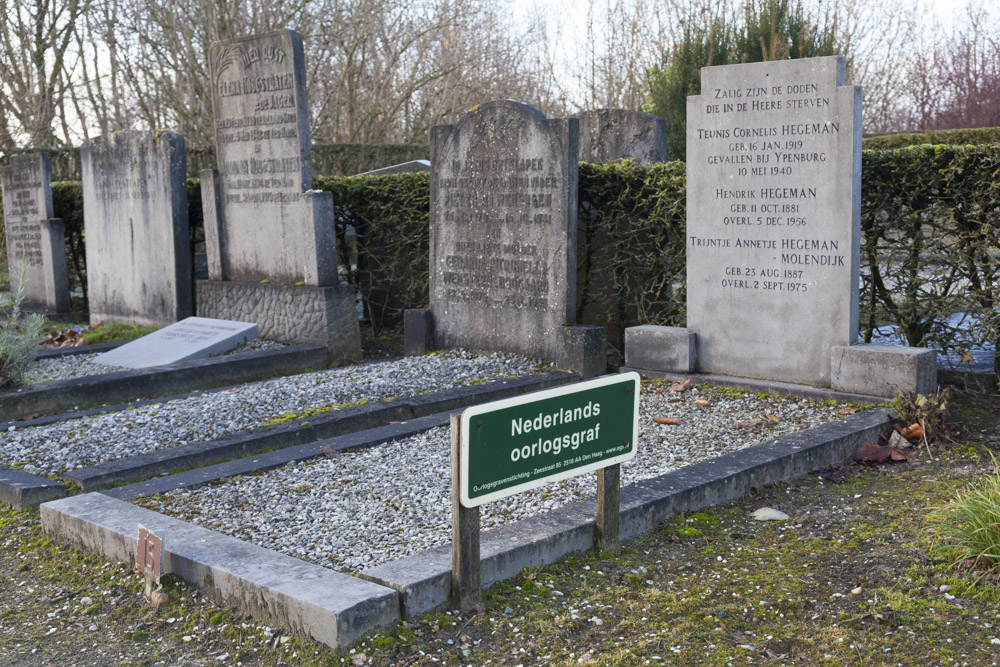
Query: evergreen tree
[[765, 30]]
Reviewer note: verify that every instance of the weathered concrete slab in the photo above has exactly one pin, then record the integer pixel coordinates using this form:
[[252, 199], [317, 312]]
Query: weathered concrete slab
[[411, 167], [610, 135], [660, 348], [55, 397], [36, 244], [20, 490], [276, 589], [191, 338], [424, 580], [503, 230], [135, 219], [884, 370]]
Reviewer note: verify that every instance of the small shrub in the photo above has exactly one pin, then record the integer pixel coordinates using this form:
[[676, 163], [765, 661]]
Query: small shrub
[[968, 528], [20, 335], [931, 412]]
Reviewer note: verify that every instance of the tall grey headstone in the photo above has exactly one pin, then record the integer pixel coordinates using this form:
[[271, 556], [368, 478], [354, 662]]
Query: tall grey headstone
[[773, 231], [609, 135], [270, 239], [136, 226], [36, 242], [503, 206]]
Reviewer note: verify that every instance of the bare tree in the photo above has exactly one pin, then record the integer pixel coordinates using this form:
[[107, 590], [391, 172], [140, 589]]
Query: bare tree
[[36, 39]]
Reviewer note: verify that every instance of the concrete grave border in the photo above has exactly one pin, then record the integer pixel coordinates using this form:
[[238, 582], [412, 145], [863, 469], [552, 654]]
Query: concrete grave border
[[59, 396], [301, 431], [104, 524]]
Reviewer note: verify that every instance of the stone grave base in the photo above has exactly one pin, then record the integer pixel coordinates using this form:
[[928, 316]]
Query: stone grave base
[[863, 370], [302, 313]]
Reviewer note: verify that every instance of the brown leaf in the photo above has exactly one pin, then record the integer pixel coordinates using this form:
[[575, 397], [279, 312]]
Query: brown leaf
[[157, 598], [773, 418], [898, 441], [874, 453], [329, 452], [912, 432], [670, 421], [27, 417], [701, 402], [967, 358], [849, 410], [675, 400], [681, 386]]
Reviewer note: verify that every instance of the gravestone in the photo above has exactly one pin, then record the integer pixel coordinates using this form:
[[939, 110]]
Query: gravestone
[[191, 338], [773, 234], [269, 238], [610, 135], [136, 227], [36, 243], [411, 167], [503, 230]]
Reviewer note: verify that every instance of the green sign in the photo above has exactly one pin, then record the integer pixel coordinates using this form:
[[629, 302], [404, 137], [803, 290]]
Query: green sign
[[523, 442]]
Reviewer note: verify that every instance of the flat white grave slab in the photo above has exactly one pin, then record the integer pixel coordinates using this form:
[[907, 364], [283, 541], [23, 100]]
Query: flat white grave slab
[[191, 338]]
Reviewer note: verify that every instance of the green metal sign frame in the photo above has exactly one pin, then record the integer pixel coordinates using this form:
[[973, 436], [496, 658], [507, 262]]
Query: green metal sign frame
[[521, 443]]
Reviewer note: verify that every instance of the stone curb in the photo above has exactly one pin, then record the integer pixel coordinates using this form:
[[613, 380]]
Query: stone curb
[[52, 397], [279, 590], [277, 458], [424, 580], [301, 431], [20, 490], [761, 386], [84, 349]]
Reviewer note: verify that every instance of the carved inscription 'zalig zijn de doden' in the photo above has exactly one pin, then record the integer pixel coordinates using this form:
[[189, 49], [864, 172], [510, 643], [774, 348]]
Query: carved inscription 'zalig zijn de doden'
[[773, 154], [503, 202]]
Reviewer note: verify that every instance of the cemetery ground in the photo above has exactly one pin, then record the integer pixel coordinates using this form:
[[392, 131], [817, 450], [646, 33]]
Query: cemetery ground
[[853, 577]]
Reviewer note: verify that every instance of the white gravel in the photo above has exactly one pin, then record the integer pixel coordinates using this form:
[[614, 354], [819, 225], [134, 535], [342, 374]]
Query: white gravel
[[79, 443], [82, 365], [369, 507]]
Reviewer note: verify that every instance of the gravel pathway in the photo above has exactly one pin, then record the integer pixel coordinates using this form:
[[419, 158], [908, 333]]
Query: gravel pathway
[[79, 443], [83, 365], [365, 508]]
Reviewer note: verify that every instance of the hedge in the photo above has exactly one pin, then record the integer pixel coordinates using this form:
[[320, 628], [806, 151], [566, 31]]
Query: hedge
[[971, 136], [326, 159], [930, 235]]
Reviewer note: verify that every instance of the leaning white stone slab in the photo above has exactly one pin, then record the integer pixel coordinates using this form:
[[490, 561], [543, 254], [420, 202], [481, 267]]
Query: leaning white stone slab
[[191, 338], [331, 607]]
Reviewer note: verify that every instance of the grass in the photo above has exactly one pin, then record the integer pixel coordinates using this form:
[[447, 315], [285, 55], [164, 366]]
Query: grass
[[968, 526]]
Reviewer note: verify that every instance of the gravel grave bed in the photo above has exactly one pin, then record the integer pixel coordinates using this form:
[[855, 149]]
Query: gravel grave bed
[[83, 365], [78, 443], [365, 508]]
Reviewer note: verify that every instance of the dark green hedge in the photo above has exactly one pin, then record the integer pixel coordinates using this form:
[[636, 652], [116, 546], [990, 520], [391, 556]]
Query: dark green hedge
[[326, 160], [972, 136], [930, 242]]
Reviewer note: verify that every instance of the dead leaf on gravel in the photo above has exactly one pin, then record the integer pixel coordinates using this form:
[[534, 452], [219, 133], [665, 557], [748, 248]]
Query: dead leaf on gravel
[[675, 400], [157, 598], [849, 410], [28, 417], [701, 402], [329, 452], [681, 386], [774, 418], [669, 421]]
